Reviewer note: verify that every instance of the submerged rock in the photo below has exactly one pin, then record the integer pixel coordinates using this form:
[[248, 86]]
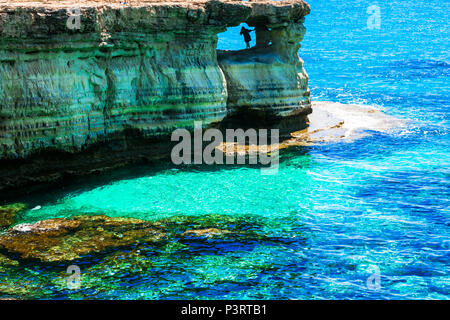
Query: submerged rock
[[24, 287], [194, 245], [67, 239], [207, 233], [216, 227], [60, 239], [6, 262], [8, 214]]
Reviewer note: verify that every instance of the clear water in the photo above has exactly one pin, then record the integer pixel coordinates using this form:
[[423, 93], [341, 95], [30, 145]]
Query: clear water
[[335, 213]]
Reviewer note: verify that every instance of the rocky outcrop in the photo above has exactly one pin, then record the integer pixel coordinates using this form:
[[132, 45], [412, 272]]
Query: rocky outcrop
[[90, 78], [8, 214], [267, 85], [329, 122], [80, 237], [207, 233], [61, 239], [35, 257]]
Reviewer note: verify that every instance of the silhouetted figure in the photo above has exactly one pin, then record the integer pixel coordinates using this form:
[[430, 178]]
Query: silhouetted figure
[[246, 33]]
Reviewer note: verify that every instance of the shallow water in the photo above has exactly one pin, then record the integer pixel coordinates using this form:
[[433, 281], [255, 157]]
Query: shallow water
[[335, 213]]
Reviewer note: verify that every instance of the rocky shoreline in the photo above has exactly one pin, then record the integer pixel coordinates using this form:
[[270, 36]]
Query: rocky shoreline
[[106, 246], [78, 237]]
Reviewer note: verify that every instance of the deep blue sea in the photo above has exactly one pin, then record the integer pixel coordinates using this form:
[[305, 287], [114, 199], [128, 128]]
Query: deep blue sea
[[336, 215]]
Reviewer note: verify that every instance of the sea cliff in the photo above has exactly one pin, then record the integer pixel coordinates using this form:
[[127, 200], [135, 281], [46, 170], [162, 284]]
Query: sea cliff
[[91, 85]]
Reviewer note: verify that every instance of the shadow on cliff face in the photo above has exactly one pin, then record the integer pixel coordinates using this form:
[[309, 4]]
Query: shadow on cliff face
[[55, 185], [50, 174]]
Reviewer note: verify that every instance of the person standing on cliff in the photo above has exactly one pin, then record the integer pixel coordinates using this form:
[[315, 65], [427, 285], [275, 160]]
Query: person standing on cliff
[[246, 33]]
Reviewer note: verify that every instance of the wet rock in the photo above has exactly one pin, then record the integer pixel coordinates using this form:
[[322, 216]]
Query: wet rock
[[133, 261], [56, 226], [214, 226], [57, 240], [219, 221], [68, 239], [5, 262], [23, 289], [329, 122], [8, 214], [206, 233]]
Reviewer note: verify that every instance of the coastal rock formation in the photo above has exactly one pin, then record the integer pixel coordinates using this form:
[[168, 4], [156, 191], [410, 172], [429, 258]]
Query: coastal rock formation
[[6, 262], [207, 233], [61, 239], [8, 214], [329, 122], [267, 85], [34, 257], [106, 77], [68, 239]]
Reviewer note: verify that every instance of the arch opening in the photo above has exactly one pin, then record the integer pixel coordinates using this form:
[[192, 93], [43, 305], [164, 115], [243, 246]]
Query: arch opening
[[232, 40]]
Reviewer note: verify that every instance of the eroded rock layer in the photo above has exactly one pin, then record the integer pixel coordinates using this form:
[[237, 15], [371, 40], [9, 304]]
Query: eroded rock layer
[[269, 79], [90, 73]]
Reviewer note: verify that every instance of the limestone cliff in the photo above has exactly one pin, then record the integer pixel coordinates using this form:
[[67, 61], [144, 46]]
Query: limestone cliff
[[104, 77], [268, 83]]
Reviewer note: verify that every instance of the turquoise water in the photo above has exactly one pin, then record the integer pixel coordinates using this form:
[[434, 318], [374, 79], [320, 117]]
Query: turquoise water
[[334, 215]]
